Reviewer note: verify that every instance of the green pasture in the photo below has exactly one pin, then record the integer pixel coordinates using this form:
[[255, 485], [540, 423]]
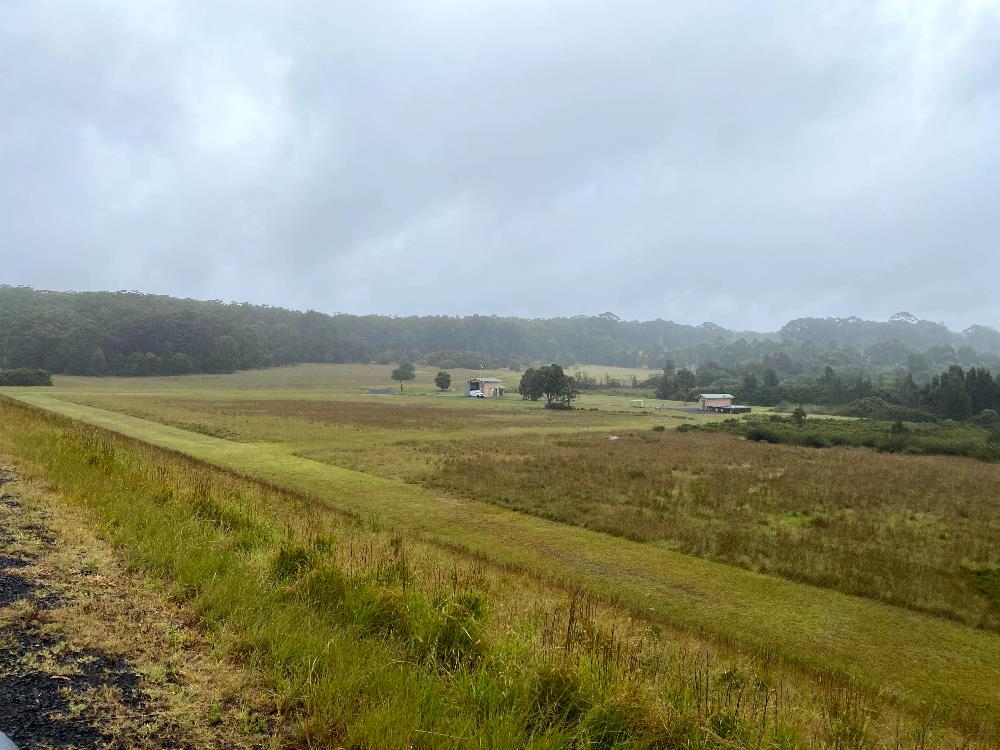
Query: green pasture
[[915, 660]]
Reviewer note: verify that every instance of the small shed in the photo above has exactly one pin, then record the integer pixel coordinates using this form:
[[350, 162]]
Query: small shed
[[484, 388], [715, 401]]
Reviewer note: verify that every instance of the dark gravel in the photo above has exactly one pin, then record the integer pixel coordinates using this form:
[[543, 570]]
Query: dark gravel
[[38, 709], [13, 588], [53, 706]]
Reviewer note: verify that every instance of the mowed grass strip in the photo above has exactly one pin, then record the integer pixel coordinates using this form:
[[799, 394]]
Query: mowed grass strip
[[923, 661]]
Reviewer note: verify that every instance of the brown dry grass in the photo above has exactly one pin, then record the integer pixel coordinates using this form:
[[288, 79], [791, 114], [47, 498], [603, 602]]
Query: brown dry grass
[[393, 415], [906, 530]]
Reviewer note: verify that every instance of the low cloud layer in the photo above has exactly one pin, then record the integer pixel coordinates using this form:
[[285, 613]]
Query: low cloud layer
[[738, 162]]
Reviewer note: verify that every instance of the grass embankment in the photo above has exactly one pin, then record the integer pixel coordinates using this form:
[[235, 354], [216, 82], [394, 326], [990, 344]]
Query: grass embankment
[[369, 639], [914, 660]]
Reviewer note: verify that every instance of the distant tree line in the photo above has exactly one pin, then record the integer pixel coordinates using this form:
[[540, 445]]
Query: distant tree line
[[956, 393], [126, 333], [25, 376]]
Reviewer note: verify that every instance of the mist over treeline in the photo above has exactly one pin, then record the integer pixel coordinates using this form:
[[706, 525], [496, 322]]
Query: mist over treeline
[[127, 333]]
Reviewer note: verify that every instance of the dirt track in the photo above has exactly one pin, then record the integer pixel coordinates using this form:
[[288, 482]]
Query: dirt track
[[89, 659]]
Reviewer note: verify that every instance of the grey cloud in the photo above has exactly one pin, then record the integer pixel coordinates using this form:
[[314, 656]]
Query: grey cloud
[[744, 163]]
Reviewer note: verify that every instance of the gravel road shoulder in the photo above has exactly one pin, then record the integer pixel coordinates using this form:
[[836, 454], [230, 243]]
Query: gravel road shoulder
[[92, 655]]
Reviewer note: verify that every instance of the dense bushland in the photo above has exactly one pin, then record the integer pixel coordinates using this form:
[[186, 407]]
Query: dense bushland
[[25, 377], [369, 639], [939, 438], [955, 393], [125, 333]]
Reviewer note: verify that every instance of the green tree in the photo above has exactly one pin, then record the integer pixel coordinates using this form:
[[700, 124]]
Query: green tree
[[531, 386], [684, 381], [799, 416], [665, 386], [948, 395], [443, 380], [224, 357], [558, 388], [405, 371], [98, 363]]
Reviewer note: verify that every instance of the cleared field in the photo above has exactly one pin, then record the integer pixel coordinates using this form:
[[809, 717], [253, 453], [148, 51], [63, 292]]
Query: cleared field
[[347, 378], [917, 532], [364, 637], [914, 660]]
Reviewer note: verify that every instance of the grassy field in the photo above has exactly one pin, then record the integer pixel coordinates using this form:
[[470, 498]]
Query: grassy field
[[461, 473], [364, 637], [347, 378], [921, 533]]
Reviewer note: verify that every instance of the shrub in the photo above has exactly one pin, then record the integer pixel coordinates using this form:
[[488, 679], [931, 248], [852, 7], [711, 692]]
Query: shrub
[[813, 440], [25, 377], [762, 434], [874, 407], [987, 418]]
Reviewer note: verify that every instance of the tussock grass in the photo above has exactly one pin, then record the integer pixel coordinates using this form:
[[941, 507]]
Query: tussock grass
[[898, 529], [369, 638]]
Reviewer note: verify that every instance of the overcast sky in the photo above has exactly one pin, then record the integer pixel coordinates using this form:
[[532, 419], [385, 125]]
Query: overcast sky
[[740, 162]]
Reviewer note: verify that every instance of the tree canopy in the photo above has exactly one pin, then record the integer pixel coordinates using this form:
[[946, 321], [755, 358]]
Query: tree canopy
[[550, 382], [127, 333], [405, 371]]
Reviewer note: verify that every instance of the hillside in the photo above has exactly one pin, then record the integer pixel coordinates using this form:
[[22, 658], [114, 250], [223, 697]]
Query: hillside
[[127, 333]]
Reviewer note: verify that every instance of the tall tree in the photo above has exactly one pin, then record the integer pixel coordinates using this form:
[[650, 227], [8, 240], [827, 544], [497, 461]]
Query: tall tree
[[557, 387], [531, 386], [98, 363], [405, 371]]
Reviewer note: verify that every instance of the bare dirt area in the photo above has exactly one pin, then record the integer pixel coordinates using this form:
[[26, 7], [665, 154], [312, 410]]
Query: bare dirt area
[[91, 656]]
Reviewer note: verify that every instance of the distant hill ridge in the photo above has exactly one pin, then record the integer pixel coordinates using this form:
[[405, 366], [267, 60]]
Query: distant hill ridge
[[130, 333]]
